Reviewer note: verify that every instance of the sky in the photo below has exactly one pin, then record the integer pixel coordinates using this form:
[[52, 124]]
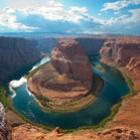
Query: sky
[[71, 16]]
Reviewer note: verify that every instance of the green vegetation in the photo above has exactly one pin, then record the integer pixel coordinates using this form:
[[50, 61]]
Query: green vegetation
[[3, 99], [130, 85]]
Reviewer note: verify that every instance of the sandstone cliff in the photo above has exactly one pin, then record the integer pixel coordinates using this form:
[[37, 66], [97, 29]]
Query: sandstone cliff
[[125, 54], [70, 60], [16, 55], [120, 51], [90, 45], [68, 75]]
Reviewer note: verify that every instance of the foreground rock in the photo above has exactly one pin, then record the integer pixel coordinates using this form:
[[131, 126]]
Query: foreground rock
[[68, 75], [28, 132], [5, 130]]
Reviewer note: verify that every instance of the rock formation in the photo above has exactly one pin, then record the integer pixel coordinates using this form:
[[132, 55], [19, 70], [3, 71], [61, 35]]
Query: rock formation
[[16, 55], [120, 51], [5, 131], [68, 75], [69, 60], [29, 132], [125, 53]]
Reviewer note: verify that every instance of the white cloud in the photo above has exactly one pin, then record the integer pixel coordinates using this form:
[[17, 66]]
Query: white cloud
[[131, 19], [117, 5], [56, 11], [72, 19], [25, 3], [53, 10], [9, 20]]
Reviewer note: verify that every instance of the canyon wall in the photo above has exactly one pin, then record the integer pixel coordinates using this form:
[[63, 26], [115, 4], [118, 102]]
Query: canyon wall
[[91, 45], [124, 53], [120, 51], [16, 55], [46, 44]]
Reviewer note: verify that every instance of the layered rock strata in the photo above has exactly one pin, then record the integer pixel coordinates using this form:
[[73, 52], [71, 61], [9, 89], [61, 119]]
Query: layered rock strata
[[125, 54], [68, 75], [16, 55]]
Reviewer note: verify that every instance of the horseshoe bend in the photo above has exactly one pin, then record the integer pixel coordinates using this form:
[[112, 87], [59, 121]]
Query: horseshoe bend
[[62, 83]]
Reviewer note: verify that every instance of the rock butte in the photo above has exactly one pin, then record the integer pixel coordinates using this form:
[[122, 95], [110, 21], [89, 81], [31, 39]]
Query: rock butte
[[68, 75]]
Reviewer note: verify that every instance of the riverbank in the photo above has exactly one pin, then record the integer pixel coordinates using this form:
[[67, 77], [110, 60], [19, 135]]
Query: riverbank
[[129, 107], [107, 122]]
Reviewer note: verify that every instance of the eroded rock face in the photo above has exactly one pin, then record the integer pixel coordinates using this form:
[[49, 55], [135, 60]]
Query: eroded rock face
[[16, 54], [5, 132], [68, 75], [126, 54], [120, 51], [70, 60]]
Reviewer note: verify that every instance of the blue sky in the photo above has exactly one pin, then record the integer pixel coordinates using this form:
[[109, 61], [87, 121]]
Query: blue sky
[[71, 16]]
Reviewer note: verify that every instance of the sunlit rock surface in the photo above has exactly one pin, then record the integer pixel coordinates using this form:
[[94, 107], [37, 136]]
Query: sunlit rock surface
[[68, 75]]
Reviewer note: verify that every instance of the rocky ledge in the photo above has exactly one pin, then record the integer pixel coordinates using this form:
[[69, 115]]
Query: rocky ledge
[[5, 129], [67, 76], [29, 132]]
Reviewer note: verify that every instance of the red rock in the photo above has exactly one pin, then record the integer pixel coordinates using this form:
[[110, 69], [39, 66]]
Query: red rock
[[68, 75], [69, 59], [120, 51]]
